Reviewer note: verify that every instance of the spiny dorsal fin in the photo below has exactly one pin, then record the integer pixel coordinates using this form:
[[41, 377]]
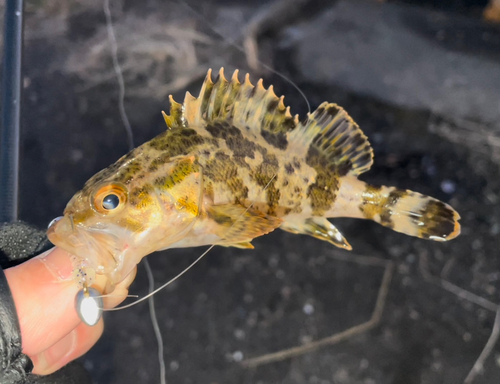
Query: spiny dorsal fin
[[336, 138], [243, 105], [175, 119]]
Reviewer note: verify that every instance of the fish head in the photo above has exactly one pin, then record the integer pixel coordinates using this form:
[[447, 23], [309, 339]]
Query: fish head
[[110, 225]]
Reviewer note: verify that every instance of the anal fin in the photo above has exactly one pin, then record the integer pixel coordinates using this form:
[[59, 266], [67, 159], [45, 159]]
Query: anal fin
[[318, 227], [245, 245], [237, 225]]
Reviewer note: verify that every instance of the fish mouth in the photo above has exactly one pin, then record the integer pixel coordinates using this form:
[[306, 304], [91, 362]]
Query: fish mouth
[[95, 248]]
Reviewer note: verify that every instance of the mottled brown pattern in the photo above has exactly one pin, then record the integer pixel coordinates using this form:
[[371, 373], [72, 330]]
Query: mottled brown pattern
[[225, 151], [158, 162], [372, 200], [439, 220], [238, 224], [277, 124], [239, 145], [176, 175], [273, 195], [256, 164], [296, 163], [217, 101], [276, 139], [323, 192], [289, 169], [388, 205], [340, 140], [128, 172], [224, 170], [175, 142], [141, 196], [375, 202], [265, 173], [266, 176], [238, 189], [220, 218], [220, 168]]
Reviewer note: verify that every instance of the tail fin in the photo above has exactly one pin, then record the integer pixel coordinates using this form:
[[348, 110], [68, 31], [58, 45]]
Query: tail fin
[[410, 213]]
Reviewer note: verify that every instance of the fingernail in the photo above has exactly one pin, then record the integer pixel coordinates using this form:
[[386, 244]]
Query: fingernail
[[58, 263], [58, 352]]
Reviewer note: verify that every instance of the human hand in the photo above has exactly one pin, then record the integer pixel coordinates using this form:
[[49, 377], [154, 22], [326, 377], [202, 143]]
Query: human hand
[[44, 294]]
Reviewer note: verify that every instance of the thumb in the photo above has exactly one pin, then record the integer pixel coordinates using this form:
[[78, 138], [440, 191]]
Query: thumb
[[70, 347], [44, 294]]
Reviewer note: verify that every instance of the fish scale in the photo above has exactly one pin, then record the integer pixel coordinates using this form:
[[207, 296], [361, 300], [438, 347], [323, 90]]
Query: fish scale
[[233, 165]]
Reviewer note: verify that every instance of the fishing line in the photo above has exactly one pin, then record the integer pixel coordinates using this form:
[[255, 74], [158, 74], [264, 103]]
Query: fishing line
[[126, 122], [119, 75], [127, 296], [164, 285], [156, 328], [200, 16], [128, 128], [130, 137]]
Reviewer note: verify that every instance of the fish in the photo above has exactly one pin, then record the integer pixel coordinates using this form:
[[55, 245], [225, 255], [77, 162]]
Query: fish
[[233, 165]]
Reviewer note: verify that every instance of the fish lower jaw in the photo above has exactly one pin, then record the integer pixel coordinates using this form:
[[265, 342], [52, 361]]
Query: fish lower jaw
[[102, 269], [111, 275], [103, 279]]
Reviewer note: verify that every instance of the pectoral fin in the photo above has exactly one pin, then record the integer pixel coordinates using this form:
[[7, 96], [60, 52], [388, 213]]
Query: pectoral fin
[[318, 227], [237, 225]]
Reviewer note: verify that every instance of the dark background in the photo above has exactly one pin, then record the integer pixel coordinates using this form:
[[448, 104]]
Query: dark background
[[422, 78]]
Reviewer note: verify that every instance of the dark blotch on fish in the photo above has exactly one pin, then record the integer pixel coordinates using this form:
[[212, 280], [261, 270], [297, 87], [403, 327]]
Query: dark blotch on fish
[[388, 205], [438, 220], [289, 168]]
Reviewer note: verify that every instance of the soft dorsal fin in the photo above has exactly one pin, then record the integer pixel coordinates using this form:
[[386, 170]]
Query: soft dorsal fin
[[336, 138], [250, 108]]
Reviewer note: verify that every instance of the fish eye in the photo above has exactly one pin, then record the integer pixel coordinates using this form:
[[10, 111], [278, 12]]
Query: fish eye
[[110, 202], [108, 198]]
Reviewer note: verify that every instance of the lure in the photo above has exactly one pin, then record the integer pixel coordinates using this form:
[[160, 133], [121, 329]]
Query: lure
[[233, 165], [89, 304]]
